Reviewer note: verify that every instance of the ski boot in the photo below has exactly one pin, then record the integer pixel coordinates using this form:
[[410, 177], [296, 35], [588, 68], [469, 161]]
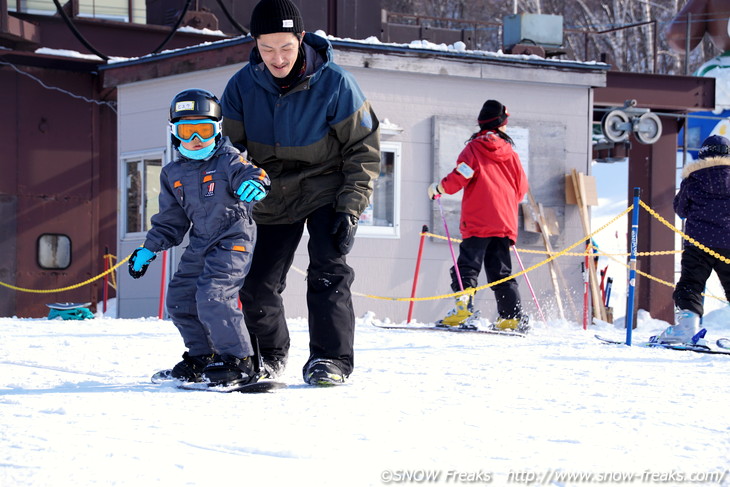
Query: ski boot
[[463, 312], [190, 369], [323, 372], [273, 367], [685, 331], [519, 324], [230, 371]]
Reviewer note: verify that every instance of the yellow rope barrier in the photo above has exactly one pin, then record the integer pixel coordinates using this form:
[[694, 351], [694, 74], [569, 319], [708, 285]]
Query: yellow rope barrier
[[565, 252], [539, 264], [68, 288]]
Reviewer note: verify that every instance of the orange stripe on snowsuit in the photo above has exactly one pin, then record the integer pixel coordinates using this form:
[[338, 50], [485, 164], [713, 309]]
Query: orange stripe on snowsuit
[[263, 175], [207, 178], [177, 184], [239, 248]]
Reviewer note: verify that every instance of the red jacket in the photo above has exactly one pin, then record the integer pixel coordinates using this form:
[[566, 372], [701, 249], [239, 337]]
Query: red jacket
[[494, 183]]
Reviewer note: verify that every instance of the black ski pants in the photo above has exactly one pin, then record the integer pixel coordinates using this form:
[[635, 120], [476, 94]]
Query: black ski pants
[[697, 265], [329, 300], [494, 254]]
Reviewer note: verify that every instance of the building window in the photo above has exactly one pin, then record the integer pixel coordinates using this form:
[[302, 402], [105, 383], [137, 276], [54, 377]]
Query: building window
[[54, 251], [141, 192], [382, 217]]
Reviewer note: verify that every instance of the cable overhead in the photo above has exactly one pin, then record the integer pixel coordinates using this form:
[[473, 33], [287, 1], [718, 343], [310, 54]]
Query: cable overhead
[[174, 28], [76, 32], [233, 21]]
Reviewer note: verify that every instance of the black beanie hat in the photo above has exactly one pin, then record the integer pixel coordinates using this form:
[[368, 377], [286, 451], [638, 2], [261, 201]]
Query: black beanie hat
[[271, 16], [715, 146], [492, 115]]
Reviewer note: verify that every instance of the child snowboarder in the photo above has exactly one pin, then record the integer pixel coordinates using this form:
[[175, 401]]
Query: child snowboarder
[[212, 188], [494, 183], [703, 200]]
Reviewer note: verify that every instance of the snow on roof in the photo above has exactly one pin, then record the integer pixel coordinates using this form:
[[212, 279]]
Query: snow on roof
[[456, 48]]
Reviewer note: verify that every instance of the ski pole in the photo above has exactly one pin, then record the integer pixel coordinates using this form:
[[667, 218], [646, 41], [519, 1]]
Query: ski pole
[[451, 247], [529, 285]]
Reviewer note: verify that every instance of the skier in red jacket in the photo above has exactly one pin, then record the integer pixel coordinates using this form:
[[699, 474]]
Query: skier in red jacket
[[494, 183]]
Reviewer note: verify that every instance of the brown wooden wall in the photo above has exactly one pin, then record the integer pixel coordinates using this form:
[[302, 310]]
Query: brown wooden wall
[[59, 167]]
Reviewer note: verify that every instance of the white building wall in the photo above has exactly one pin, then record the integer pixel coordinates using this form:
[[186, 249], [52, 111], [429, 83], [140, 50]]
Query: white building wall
[[555, 105]]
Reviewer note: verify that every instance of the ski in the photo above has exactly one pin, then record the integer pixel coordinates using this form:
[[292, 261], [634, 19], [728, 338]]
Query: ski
[[669, 346], [165, 377], [452, 330]]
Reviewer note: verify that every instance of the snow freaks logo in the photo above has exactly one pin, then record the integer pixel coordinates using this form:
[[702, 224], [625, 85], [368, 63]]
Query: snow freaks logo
[[434, 476], [552, 477]]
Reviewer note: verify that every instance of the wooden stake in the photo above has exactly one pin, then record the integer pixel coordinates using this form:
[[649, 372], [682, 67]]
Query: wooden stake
[[599, 310]]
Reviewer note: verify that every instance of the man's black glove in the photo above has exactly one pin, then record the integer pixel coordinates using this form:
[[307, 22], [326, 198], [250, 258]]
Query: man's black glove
[[344, 230]]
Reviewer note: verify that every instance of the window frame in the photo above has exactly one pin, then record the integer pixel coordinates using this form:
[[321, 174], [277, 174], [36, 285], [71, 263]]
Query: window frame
[[377, 231], [124, 160]]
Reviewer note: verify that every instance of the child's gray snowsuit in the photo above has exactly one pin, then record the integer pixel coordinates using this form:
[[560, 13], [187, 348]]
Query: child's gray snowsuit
[[202, 297]]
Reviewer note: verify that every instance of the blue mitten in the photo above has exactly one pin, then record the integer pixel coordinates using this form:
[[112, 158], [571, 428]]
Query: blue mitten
[[139, 260], [251, 190]]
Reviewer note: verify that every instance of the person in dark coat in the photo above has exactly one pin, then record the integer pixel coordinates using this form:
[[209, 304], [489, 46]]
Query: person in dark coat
[[494, 182], [210, 190], [703, 201], [304, 120]]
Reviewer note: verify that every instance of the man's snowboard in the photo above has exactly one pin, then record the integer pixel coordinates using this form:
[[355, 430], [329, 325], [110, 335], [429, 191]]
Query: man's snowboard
[[165, 377]]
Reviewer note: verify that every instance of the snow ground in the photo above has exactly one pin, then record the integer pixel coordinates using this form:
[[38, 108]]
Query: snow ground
[[77, 408]]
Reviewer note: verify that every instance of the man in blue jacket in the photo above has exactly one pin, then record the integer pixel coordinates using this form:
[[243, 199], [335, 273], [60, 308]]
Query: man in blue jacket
[[305, 121]]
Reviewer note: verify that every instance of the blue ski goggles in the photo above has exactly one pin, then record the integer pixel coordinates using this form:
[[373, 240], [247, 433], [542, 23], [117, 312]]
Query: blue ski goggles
[[187, 130]]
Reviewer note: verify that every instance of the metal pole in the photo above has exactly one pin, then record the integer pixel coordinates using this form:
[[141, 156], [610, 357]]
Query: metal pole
[[161, 309], [632, 267], [106, 280], [584, 270], [529, 285], [451, 247], [424, 230]]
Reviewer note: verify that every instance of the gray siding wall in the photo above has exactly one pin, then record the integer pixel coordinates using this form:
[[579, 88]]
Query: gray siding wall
[[555, 105]]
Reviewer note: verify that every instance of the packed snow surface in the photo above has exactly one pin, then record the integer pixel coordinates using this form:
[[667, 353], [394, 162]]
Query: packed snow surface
[[555, 408]]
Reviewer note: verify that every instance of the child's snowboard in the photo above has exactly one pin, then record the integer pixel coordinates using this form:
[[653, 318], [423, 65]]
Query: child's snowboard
[[165, 377]]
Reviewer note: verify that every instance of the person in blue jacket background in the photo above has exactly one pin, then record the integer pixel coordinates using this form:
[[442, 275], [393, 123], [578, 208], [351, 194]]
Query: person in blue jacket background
[[703, 200], [210, 190], [304, 120]]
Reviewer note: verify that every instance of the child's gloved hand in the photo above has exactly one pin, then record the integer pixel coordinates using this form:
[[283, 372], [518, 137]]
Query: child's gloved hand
[[139, 260], [251, 190]]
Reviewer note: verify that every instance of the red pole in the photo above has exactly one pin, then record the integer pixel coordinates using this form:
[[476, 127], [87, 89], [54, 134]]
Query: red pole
[[106, 279], [424, 230], [161, 310]]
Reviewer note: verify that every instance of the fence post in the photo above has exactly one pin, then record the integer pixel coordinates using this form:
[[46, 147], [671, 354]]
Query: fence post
[[424, 230], [632, 267], [586, 292], [105, 293]]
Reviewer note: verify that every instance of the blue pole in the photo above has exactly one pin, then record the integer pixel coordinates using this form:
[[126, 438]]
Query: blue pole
[[632, 267]]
